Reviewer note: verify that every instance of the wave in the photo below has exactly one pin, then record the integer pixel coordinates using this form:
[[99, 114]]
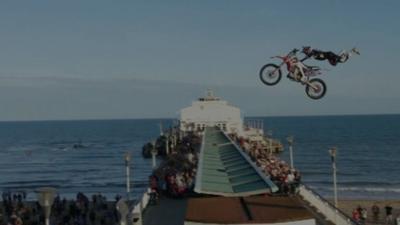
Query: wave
[[370, 189], [354, 183], [35, 182], [362, 189], [69, 184], [307, 172]]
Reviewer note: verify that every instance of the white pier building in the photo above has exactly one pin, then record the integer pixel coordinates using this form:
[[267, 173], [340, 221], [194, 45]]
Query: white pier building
[[211, 111]]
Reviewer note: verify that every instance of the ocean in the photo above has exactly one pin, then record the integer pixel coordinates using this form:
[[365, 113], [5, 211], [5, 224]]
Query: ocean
[[37, 154]]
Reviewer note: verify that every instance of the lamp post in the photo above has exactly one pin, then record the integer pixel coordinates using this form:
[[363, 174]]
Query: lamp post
[[128, 182], [172, 143], [153, 154], [161, 129], [167, 144], [46, 198], [123, 210], [176, 138], [332, 153], [290, 141], [270, 141]]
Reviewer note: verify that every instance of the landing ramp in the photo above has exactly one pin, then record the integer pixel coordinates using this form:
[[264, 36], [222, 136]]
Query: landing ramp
[[225, 170]]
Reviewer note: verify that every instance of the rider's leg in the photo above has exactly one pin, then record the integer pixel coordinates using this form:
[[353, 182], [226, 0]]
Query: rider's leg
[[333, 59], [296, 74], [345, 55], [333, 62], [355, 50], [293, 74]]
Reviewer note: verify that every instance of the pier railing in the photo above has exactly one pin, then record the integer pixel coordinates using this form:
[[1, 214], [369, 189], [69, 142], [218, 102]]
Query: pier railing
[[324, 207]]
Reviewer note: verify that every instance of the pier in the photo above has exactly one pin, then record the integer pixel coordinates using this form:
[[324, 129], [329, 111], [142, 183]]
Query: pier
[[231, 188]]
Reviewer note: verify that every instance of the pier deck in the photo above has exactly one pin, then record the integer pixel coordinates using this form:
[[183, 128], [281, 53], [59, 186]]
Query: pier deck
[[168, 211], [246, 210]]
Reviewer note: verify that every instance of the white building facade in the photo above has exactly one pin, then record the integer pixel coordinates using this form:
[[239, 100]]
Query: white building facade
[[211, 111]]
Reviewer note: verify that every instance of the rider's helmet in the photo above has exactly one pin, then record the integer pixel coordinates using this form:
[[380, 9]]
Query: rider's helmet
[[307, 50]]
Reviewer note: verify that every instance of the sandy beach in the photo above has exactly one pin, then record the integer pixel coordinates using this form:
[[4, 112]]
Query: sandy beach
[[347, 206]]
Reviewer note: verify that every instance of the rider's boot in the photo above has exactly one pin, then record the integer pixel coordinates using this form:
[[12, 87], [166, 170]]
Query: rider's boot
[[291, 77], [299, 77], [345, 55], [355, 50]]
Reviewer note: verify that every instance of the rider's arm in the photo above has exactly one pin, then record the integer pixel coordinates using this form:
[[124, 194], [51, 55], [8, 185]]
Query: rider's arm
[[305, 58]]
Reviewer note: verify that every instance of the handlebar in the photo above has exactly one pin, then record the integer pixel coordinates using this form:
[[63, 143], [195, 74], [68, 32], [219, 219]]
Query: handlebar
[[293, 52]]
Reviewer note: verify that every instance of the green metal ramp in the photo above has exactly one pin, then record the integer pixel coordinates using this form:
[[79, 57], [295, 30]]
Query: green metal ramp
[[225, 170]]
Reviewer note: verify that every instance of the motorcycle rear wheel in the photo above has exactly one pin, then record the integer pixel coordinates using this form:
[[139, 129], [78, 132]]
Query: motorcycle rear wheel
[[270, 74]]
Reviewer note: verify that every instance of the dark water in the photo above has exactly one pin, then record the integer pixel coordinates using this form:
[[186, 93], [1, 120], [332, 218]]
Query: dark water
[[36, 154], [368, 159]]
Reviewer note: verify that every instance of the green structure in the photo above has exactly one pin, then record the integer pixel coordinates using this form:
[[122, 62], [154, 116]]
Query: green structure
[[225, 170]]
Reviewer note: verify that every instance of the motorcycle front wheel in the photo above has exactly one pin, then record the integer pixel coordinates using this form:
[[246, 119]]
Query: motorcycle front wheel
[[316, 89], [270, 74]]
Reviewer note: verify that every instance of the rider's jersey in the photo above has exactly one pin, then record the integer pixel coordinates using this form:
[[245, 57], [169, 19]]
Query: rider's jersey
[[322, 55]]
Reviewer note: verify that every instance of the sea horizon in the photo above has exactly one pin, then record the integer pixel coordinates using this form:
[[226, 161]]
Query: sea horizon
[[176, 118]]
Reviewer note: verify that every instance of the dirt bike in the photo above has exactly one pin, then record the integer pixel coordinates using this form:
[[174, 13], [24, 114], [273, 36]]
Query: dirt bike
[[271, 74]]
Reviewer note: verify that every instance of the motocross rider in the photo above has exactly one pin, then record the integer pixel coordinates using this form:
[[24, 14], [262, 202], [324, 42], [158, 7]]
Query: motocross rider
[[332, 58]]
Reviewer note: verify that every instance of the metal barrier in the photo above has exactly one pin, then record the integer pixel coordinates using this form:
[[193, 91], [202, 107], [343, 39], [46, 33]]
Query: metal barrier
[[324, 207]]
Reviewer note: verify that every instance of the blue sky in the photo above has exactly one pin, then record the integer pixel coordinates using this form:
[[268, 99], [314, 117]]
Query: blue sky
[[131, 59]]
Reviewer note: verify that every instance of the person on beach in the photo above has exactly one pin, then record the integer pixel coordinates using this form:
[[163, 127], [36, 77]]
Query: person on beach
[[375, 211], [389, 216], [398, 220], [363, 215], [359, 209], [356, 215]]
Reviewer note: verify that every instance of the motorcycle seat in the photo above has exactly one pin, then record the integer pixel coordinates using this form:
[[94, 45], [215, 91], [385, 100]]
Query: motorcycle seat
[[313, 67]]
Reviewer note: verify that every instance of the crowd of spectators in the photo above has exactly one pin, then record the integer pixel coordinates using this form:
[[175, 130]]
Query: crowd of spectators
[[360, 215], [176, 176], [13, 207], [286, 178], [15, 210]]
